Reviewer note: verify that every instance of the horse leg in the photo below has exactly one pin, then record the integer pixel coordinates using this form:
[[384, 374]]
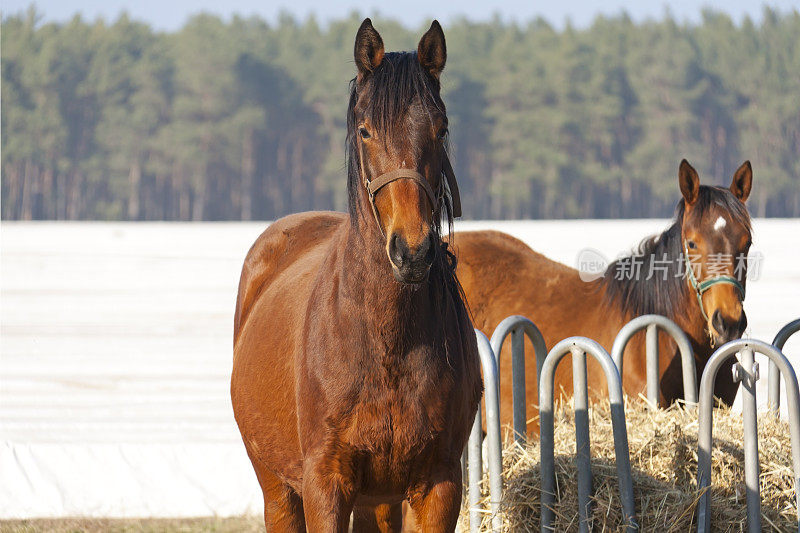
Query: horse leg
[[386, 518], [283, 507], [328, 493], [437, 503], [409, 518]]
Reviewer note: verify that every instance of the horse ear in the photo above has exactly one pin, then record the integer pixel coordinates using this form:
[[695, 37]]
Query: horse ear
[[689, 182], [742, 181], [432, 50], [368, 50]]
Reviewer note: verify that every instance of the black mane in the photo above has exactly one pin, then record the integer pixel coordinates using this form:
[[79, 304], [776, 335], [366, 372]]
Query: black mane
[[664, 295]]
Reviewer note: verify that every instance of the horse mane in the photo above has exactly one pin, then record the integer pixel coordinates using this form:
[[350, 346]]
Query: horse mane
[[664, 294]]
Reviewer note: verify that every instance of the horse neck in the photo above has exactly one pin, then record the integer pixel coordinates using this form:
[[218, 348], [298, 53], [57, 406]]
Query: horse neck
[[392, 310], [685, 312]]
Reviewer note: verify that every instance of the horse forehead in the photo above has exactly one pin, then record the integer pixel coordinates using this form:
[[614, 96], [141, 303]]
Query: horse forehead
[[720, 228]]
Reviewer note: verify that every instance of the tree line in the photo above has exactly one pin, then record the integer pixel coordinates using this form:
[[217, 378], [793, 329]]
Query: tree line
[[245, 120]]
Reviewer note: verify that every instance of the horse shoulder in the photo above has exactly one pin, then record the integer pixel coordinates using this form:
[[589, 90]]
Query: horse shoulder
[[276, 249]]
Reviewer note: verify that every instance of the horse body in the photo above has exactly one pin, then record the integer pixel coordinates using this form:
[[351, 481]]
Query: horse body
[[356, 375], [502, 276], [390, 401]]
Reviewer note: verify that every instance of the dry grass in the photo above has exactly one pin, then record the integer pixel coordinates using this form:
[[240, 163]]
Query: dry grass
[[240, 524], [663, 451]]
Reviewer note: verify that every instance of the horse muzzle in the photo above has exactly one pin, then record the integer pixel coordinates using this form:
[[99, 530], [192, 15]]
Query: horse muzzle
[[727, 329], [410, 265]]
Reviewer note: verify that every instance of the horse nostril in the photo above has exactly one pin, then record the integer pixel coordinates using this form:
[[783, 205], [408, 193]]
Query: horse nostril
[[718, 322], [398, 249], [728, 329], [742, 323], [394, 250]]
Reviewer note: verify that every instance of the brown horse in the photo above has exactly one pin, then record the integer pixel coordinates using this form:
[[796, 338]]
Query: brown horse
[[356, 375], [501, 276]]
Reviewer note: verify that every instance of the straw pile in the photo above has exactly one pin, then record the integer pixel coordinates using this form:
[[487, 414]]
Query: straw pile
[[663, 451]]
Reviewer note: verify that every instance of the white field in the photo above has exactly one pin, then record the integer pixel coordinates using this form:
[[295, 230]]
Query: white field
[[116, 350]]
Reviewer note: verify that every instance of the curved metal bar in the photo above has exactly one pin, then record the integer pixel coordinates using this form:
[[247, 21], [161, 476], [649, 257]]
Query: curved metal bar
[[492, 401], [546, 429], [475, 473], [515, 325], [774, 380], [684, 347], [747, 371]]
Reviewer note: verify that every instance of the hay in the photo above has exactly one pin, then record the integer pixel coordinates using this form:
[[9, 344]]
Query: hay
[[663, 451]]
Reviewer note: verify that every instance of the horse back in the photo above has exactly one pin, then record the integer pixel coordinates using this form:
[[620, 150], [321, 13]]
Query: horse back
[[500, 273]]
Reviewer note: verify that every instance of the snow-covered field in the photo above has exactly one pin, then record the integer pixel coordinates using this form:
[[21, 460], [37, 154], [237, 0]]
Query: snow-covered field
[[116, 349]]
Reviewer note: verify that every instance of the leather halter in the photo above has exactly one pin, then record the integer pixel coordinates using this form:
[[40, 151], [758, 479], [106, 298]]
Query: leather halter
[[375, 185], [702, 286]]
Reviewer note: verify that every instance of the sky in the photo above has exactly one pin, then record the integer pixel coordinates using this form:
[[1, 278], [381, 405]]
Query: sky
[[171, 14]]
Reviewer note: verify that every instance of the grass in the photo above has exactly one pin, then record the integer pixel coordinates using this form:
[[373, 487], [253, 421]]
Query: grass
[[238, 524]]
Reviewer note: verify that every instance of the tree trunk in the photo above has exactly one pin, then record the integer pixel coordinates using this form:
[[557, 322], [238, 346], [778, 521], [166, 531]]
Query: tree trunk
[[25, 202], [248, 171], [134, 182], [199, 200]]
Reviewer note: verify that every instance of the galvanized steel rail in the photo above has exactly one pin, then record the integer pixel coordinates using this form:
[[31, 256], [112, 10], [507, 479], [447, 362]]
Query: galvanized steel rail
[[652, 323], [517, 326], [746, 371], [491, 397], [774, 379], [579, 347]]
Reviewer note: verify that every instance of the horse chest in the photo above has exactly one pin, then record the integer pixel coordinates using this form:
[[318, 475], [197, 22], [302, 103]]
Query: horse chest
[[394, 430]]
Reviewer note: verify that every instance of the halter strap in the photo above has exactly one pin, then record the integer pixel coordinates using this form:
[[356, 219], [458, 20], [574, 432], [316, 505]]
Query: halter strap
[[401, 173], [381, 181], [703, 286]]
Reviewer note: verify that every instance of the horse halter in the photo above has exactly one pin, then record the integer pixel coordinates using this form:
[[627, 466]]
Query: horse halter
[[375, 185], [702, 286]]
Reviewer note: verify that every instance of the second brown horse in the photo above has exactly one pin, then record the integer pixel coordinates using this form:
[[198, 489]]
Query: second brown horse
[[501, 276]]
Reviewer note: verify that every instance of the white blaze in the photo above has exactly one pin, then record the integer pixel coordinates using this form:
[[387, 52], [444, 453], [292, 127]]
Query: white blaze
[[720, 223]]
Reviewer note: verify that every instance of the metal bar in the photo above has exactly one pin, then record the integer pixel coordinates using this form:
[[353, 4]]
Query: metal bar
[[583, 454], [747, 373], [774, 380], [546, 436], [546, 428], [774, 389], [704, 437], [516, 326], [491, 396], [681, 340], [464, 474], [518, 384], [475, 472], [652, 364]]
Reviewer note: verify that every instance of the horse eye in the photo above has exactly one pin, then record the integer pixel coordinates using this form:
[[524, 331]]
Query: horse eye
[[442, 133], [364, 133], [691, 245]]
